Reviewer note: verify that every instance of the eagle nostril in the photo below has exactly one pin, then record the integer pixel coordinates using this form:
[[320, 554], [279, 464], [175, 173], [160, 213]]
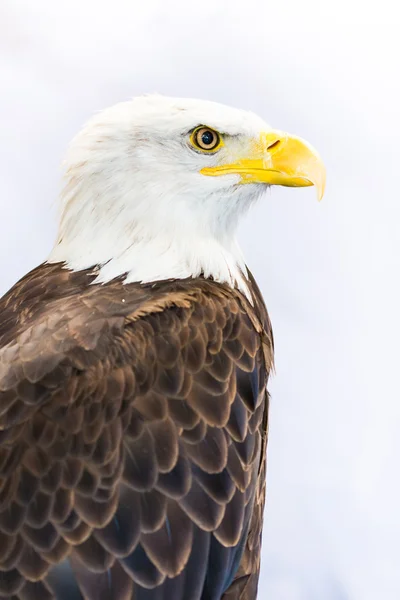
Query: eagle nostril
[[273, 145]]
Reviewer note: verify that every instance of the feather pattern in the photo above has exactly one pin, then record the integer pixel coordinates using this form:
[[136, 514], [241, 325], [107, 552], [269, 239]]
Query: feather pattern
[[133, 428]]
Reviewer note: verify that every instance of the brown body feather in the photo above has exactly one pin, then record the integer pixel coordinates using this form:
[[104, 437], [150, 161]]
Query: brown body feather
[[133, 429]]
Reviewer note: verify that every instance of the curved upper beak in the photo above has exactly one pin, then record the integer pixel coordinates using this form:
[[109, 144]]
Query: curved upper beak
[[278, 158]]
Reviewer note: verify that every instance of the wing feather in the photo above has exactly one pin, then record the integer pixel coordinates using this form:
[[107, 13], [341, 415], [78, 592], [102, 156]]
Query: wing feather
[[132, 440]]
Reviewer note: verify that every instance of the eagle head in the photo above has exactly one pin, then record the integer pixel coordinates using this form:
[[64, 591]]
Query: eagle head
[[155, 188]]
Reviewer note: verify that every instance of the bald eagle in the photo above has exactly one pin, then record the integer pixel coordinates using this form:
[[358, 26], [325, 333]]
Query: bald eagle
[[134, 364]]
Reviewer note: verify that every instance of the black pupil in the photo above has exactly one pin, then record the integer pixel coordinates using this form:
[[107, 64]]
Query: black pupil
[[207, 137]]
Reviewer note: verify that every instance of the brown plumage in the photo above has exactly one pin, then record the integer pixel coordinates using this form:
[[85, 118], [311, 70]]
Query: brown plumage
[[133, 430]]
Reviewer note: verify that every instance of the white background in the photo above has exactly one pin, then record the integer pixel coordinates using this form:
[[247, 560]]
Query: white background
[[327, 71]]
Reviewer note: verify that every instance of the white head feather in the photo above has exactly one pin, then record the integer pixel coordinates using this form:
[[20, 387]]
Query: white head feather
[[135, 201]]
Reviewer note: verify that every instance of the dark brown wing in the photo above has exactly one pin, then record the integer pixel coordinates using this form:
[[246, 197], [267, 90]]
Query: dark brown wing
[[245, 583], [132, 440]]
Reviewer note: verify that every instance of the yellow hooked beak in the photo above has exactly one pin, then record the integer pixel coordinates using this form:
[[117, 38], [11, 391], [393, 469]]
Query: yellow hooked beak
[[277, 158]]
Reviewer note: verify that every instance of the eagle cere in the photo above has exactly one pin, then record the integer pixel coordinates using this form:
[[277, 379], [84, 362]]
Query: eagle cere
[[134, 364]]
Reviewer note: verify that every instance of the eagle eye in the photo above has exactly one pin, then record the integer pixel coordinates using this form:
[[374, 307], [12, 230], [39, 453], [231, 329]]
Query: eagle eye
[[206, 139]]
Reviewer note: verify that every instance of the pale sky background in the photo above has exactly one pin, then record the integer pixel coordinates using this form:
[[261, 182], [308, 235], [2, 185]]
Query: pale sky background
[[325, 70]]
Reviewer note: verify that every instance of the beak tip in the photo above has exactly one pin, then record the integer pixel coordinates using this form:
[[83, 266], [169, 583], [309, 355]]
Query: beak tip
[[320, 186]]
